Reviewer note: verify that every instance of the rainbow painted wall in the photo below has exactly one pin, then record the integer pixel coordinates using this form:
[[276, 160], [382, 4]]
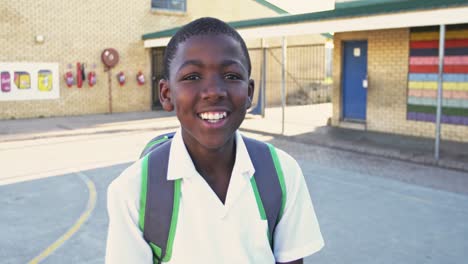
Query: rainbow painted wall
[[423, 71]]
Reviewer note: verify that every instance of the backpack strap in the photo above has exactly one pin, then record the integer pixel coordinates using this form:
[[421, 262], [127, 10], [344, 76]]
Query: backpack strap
[[160, 198], [159, 203], [155, 142], [267, 183]]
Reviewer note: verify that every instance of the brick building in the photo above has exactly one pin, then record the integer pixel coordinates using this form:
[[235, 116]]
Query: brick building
[[386, 62], [390, 88], [402, 68], [40, 41]]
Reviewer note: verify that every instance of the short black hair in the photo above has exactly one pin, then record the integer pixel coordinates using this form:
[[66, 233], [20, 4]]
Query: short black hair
[[199, 27]]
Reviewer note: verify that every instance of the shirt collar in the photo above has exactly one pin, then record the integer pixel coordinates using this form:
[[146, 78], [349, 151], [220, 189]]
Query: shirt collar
[[181, 165], [243, 164]]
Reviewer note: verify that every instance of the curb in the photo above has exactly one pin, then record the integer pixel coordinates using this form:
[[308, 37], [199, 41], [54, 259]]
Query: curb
[[372, 151], [337, 145], [72, 133]]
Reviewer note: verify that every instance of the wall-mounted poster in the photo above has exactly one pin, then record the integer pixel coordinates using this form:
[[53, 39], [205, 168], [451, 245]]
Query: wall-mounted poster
[[5, 81], [423, 74], [29, 81]]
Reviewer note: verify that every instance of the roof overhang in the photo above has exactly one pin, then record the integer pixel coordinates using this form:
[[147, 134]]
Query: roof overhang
[[400, 20], [319, 23], [303, 6]]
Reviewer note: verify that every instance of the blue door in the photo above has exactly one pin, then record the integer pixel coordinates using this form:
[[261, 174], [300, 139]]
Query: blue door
[[355, 80]]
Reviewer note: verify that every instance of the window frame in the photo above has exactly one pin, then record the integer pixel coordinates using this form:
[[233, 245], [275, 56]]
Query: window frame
[[167, 3]]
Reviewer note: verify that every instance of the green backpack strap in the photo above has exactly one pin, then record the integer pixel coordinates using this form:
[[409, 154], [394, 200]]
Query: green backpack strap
[[160, 198], [156, 142], [267, 183], [159, 203]]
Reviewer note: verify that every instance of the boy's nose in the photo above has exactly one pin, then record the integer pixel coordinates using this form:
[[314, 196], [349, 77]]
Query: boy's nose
[[214, 89]]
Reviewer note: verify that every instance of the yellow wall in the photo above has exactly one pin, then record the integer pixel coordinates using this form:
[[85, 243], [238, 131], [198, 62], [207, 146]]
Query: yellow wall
[[387, 62], [78, 31]]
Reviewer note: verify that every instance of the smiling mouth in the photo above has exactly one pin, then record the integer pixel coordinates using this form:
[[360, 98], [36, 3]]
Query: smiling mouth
[[213, 117]]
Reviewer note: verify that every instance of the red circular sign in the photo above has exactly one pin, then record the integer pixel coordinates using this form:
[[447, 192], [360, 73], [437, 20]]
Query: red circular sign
[[110, 57]]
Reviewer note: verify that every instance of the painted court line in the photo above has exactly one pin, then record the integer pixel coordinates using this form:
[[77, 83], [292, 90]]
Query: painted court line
[[84, 216]]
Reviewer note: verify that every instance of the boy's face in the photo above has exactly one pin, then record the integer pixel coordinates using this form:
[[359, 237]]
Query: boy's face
[[209, 88]]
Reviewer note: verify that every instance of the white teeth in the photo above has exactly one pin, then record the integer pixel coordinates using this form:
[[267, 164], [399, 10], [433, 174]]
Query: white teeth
[[213, 117]]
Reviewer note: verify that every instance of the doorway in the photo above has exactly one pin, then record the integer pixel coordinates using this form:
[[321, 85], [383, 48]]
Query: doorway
[[157, 64], [355, 81]]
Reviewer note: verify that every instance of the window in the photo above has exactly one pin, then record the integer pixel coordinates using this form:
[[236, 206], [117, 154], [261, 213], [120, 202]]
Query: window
[[173, 5]]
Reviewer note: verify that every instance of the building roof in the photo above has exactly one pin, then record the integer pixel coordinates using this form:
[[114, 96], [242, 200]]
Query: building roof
[[349, 16], [272, 6]]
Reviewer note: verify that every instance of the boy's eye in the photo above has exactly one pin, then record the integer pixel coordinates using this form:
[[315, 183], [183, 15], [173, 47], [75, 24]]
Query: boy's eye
[[192, 77], [231, 76]]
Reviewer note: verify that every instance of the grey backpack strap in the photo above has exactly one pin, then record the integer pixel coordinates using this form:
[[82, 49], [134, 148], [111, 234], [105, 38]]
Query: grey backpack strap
[[267, 182], [156, 142], [162, 204]]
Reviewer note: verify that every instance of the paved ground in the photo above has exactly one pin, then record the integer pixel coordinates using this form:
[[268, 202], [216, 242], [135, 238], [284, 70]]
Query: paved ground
[[371, 209], [302, 123]]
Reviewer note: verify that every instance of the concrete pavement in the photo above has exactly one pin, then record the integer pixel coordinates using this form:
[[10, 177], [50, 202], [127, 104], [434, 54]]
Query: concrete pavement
[[306, 124], [371, 209]]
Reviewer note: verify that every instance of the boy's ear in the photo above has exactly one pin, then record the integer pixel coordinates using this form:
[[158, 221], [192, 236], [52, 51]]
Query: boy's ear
[[250, 93], [165, 95]]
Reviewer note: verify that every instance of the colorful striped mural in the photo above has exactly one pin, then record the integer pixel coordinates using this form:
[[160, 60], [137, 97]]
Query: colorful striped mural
[[423, 70]]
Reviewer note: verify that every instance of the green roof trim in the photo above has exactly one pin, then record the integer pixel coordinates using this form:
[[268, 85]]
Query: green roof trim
[[327, 35], [272, 7], [349, 4], [284, 12], [354, 11]]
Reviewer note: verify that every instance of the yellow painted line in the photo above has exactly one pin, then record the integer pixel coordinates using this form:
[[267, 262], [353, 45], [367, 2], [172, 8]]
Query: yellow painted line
[[452, 86], [434, 35], [84, 216]]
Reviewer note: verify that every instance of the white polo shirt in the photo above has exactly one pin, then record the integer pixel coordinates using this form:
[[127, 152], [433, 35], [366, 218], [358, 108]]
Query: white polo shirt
[[209, 231]]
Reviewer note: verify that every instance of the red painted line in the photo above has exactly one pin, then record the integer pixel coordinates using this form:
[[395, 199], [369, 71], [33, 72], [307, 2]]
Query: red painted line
[[456, 60], [455, 94], [423, 69], [434, 60], [456, 68], [433, 44], [424, 60], [422, 93], [447, 94], [435, 68]]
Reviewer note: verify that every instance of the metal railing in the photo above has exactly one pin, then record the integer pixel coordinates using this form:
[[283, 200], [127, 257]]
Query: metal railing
[[307, 74]]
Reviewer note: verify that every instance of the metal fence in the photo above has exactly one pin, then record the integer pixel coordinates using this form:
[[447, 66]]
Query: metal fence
[[308, 74], [308, 79]]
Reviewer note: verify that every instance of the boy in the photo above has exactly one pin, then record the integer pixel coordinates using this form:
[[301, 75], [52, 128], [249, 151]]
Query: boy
[[207, 71]]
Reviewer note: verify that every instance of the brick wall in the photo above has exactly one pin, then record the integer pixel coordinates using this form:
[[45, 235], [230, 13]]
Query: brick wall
[[78, 31], [388, 81]]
